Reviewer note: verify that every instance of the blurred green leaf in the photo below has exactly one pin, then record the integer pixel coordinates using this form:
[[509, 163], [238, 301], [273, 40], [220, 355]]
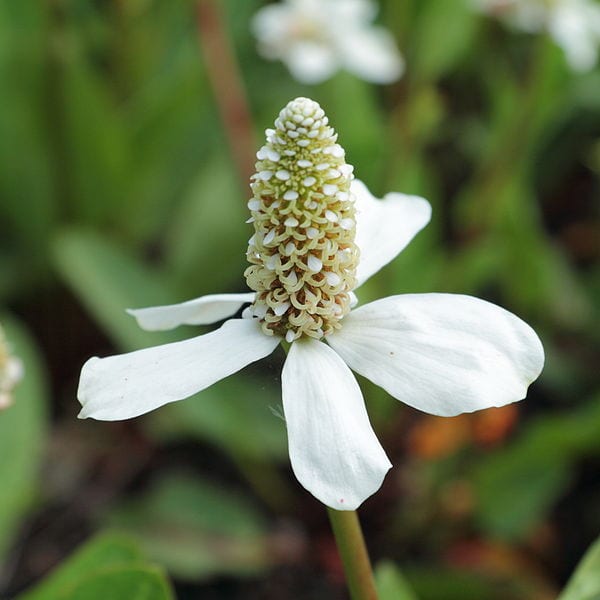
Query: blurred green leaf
[[122, 583], [363, 144], [97, 145], [28, 205], [391, 584], [585, 582], [106, 550], [239, 16], [242, 415], [108, 279], [196, 529], [207, 239], [519, 491], [175, 132], [443, 34], [409, 172], [435, 583], [516, 486], [22, 434], [109, 566], [473, 268], [229, 414], [535, 273]]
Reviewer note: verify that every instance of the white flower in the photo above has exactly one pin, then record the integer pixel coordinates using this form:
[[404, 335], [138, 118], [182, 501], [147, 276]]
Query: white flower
[[441, 353], [11, 372], [573, 24], [316, 38]]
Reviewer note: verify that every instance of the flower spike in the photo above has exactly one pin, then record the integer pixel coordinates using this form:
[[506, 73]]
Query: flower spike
[[303, 253]]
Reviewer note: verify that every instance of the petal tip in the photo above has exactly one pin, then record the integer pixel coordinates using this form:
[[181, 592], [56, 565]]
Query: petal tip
[[141, 317], [352, 501]]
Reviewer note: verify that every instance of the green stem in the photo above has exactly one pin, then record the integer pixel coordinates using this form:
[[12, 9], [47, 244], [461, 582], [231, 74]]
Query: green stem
[[353, 552]]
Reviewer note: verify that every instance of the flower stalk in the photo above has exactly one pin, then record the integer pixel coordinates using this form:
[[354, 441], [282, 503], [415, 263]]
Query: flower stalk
[[227, 85], [353, 552]]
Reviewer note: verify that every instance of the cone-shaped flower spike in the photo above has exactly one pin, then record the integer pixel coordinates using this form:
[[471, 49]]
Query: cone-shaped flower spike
[[303, 252]]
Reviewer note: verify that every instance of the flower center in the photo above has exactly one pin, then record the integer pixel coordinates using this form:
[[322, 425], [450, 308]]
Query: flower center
[[305, 29], [302, 254]]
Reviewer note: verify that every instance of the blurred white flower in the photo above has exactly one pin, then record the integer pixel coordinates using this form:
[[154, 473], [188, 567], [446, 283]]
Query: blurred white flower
[[316, 38], [319, 234], [11, 372], [573, 24]]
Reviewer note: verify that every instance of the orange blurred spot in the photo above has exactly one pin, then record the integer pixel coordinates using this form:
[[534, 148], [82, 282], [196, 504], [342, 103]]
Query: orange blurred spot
[[491, 426], [436, 437]]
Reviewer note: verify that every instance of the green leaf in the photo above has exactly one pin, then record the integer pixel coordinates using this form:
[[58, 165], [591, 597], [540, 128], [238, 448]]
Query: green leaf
[[23, 428], [229, 414], [473, 268], [108, 279], [538, 275], [516, 486], [534, 273], [207, 239], [443, 35], [391, 584], [108, 560], [174, 126], [359, 124], [239, 415], [516, 490], [439, 583], [28, 205], [96, 143], [196, 529], [123, 583], [585, 582], [106, 550]]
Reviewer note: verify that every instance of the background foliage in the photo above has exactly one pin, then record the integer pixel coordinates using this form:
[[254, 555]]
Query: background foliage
[[117, 190]]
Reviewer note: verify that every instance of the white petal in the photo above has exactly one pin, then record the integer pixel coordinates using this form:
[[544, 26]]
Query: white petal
[[200, 311], [334, 452], [575, 26], [385, 227], [271, 26], [128, 385], [371, 54], [310, 62], [444, 354], [356, 12]]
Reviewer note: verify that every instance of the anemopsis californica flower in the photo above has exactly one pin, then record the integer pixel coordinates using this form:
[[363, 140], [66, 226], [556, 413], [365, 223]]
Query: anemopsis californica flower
[[319, 234], [573, 24], [316, 38], [11, 372]]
